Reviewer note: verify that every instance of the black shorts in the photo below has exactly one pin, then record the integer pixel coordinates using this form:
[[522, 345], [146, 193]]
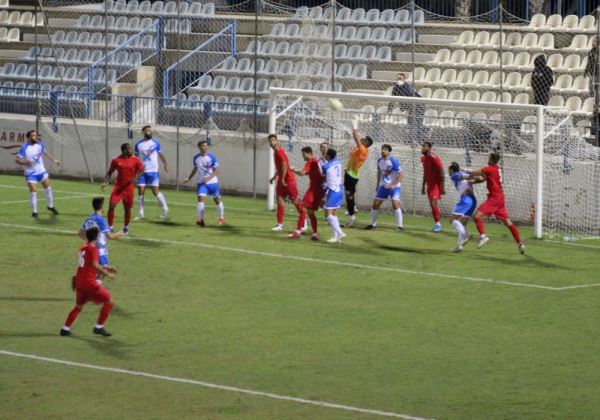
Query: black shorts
[[350, 184]]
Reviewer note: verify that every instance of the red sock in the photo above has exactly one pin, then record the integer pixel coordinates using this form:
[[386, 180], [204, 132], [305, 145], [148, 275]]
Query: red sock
[[301, 220], [313, 222], [72, 316], [480, 225], [436, 214], [111, 217], [104, 312], [127, 217], [280, 213], [515, 233]]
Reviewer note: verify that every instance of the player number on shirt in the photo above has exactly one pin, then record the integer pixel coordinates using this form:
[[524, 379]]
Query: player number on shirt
[[81, 259]]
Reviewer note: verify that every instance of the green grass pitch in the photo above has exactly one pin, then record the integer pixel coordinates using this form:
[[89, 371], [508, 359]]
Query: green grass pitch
[[385, 321]]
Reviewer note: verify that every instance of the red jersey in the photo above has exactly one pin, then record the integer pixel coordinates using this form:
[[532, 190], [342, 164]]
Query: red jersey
[[86, 273], [281, 159], [126, 170], [493, 179], [433, 169], [315, 175]]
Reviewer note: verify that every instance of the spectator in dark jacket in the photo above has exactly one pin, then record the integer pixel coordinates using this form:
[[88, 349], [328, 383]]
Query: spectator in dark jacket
[[542, 80], [416, 112], [591, 69]]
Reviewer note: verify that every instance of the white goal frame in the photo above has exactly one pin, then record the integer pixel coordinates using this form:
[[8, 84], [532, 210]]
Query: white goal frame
[[300, 93]]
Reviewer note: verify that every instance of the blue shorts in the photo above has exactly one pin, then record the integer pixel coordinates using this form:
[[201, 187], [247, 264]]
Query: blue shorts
[[334, 199], [385, 193], [35, 178], [148, 178], [211, 190], [103, 260], [466, 206]]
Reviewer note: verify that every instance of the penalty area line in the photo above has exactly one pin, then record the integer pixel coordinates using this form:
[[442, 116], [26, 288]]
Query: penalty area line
[[317, 260], [213, 386]]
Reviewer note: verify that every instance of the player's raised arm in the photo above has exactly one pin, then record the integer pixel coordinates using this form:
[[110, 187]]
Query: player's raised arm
[[163, 159], [194, 170], [355, 133]]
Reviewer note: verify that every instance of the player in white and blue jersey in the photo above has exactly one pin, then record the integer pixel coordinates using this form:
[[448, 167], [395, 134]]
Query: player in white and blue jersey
[[149, 151], [389, 175], [97, 220], [207, 166], [334, 196], [466, 205], [31, 156]]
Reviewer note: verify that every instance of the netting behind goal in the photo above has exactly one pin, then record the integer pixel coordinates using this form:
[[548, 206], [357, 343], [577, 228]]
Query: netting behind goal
[[461, 132]]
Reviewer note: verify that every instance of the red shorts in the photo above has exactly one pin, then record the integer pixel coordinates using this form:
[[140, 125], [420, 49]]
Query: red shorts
[[126, 194], [434, 191], [290, 191], [494, 206], [96, 294], [312, 199]]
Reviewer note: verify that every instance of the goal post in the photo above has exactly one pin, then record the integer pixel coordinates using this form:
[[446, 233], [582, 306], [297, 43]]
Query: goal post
[[461, 131]]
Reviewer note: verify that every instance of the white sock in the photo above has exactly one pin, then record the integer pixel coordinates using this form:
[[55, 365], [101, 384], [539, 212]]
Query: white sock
[[49, 197], [221, 210], [459, 227], [161, 199], [438, 223], [334, 222], [398, 214], [201, 210], [33, 201], [374, 215], [99, 326], [66, 328], [141, 205]]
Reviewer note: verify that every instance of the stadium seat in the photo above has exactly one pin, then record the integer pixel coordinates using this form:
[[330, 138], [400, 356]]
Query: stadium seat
[[324, 51], [363, 34], [70, 55], [7, 70], [521, 98], [170, 8], [465, 39], [358, 15], [545, 42], [282, 48], [316, 13], [301, 13], [504, 97], [13, 35], [447, 78], [481, 39], [343, 15], [537, 22], [26, 19], [456, 95], [184, 8], [82, 22], [291, 30], [425, 92], [440, 93], [418, 74], [157, 8], [579, 86], [556, 101], [529, 125], [587, 23], [495, 79], [507, 58], [570, 23], [555, 61], [360, 71], [277, 30], [354, 52], [3, 33], [348, 34], [513, 40], [195, 9], [479, 80], [520, 61], [473, 58], [579, 43], [563, 83], [583, 128], [131, 7], [432, 75], [267, 48], [571, 63], [296, 49], [402, 17], [489, 59], [3, 17], [488, 96], [393, 35], [387, 16], [384, 54], [368, 53], [463, 78], [372, 16], [528, 42], [442, 57], [407, 36], [586, 110], [458, 57], [553, 23], [13, 18], [271, 67], [495, 40]]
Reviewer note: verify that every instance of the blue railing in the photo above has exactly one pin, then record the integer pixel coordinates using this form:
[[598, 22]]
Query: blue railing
[[217, 40]]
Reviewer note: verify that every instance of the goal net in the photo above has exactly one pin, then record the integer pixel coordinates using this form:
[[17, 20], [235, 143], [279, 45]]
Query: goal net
[[548, 170]]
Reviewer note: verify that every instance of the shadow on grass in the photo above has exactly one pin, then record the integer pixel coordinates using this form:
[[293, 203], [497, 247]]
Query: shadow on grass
[[33, 299], [526, 260], [144, 242], [400, 248], [109, 346], [166, 223]]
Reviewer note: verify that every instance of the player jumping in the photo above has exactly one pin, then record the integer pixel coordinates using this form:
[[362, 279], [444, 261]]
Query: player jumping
[[148, 150], [128, 167], [494, 205], [313, 195], [465, 207], [433, 178], [357, 158], [98, 221], [207, 166], [86, 287], [334, 197], [31, 156], [389, 175], [286, 182]]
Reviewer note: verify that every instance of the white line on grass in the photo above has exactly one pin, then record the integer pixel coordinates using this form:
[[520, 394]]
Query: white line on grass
[[572, 244], [316, 260], [72, 197], [213, 386]]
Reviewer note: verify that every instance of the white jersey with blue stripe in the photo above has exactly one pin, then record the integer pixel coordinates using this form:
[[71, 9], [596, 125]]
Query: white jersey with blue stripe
[[33, 153], [332, 171], [389, 169], [96, 220], [461, 184], [206, 166], [147, 151]]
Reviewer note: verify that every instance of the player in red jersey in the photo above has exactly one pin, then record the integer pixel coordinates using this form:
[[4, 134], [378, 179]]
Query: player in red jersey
[[433, 178], [286, 182], [86, 287], [128, 168], [494, 205], [313, 195]]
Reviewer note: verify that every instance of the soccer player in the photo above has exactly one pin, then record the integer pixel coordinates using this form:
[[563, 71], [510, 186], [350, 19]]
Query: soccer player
[[31, 156], [286, 182], [390, 175], [128, 168], [207, 166], [433, 178], [98, 221], [323, 149], [86, 288], [334, 195], [313, 195], [357, 158], [464, 209], [148, 150], [494, 205]]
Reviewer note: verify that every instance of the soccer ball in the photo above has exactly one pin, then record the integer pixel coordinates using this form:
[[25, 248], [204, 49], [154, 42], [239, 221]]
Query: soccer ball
[[335, 104]]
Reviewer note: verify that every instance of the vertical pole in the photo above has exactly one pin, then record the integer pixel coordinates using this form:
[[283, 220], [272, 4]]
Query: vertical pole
[[37, 69], [501, 9], [596, 79], [255, 109], [177, 104], [106, 99], [412, 130], [539, 162], [333, 46], [272, 128]]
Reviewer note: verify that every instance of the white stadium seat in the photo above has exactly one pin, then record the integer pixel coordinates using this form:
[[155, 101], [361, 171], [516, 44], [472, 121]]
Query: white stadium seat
[[553, 23], [538, 21]]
